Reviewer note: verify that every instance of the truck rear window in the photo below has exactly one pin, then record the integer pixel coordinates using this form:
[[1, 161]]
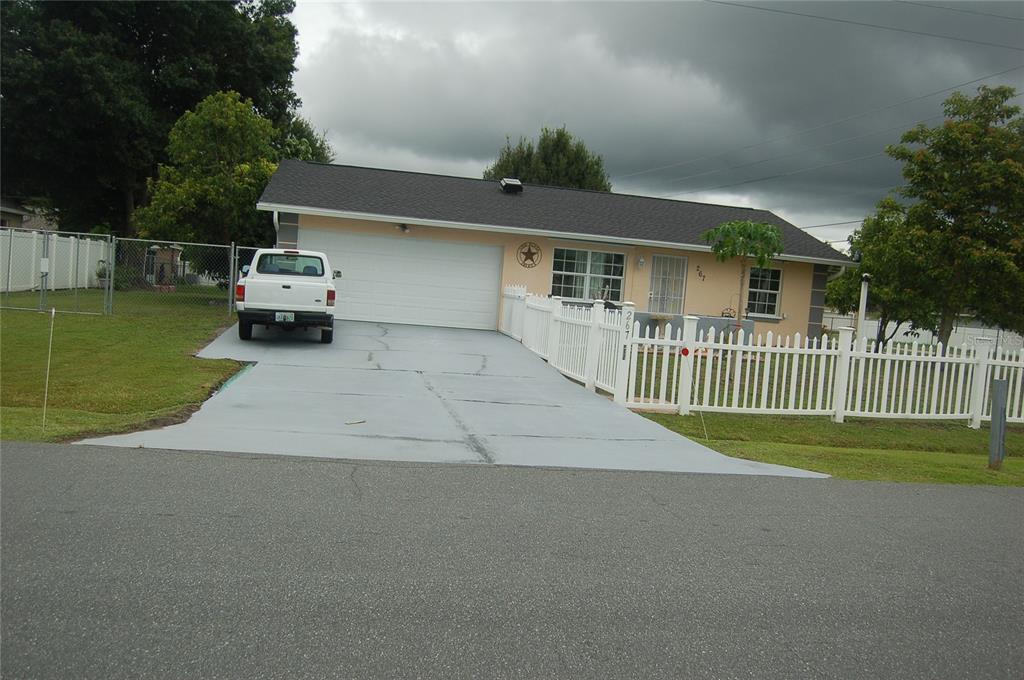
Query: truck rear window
[[292, 265]]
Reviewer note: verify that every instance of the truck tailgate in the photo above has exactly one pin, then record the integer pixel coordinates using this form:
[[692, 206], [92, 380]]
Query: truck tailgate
[[291, 295]]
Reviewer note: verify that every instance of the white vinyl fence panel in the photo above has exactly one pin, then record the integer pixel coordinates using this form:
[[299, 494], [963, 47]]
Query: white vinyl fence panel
[[910, 381], [72, 260], [675, 370]]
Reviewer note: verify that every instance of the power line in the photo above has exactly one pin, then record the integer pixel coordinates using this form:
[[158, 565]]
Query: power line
[[832, 224], [963, 11], [806, 148], [861, 23], [819, 127], [783, 174], [787, 174]]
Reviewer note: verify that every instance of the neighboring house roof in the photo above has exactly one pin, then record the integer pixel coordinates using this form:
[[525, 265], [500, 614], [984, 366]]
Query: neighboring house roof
[[413, 197], [10, 206]]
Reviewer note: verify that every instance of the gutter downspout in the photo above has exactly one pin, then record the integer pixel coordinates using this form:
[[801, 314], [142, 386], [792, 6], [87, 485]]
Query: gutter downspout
[[277, 229]]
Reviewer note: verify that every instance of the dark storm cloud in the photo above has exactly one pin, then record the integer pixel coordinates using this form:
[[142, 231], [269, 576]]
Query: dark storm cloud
[[437, 87]]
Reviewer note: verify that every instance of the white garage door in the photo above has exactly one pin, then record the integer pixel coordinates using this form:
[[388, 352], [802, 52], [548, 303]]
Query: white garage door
[[408, 280]]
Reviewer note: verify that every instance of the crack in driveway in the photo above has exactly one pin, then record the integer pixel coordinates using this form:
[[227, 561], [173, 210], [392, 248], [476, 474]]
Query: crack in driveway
[[472, 441]]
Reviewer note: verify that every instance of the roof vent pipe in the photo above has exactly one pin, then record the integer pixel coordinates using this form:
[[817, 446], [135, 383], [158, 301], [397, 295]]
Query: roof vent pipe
[[511, 185]]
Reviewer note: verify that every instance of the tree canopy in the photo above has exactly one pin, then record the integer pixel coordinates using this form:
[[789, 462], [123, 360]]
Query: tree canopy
[[91, 90], [965, 179], [746, 240], [884, 247], [221, 157], [558, 159]]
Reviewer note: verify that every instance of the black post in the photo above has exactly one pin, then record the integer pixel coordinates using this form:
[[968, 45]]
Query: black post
[[997, 430]]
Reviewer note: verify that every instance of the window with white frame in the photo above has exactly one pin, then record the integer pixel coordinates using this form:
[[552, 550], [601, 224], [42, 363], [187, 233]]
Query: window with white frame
[[588, 274], [764, 292]]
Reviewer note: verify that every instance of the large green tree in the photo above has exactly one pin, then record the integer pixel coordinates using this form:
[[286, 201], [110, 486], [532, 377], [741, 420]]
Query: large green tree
[[90, 91], [558, 159], [899, 291], [748, 241], [221, 157], [965, 179]]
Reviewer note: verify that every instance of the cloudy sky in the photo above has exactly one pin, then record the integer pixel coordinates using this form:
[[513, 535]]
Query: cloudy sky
[[701, 101]]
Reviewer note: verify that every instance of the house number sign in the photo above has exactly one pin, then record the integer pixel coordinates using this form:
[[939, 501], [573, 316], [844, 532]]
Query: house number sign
[[529, 255]]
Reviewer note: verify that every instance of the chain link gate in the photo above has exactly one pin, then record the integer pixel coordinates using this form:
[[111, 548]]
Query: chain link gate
[[63, 270]]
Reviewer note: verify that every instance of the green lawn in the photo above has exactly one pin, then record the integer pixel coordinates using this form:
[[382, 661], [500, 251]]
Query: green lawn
[[108, 373], [891, 450]]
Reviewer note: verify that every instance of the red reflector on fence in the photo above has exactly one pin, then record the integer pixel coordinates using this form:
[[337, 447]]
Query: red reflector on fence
[[330, 298], [240, 292], [685, 351]]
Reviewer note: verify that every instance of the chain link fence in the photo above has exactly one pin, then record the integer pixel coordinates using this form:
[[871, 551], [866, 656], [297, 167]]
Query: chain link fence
[[171, 275], [100, 274], [66, 271]]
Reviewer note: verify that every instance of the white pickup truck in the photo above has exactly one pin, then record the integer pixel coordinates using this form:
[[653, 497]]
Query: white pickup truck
[[287, 288]]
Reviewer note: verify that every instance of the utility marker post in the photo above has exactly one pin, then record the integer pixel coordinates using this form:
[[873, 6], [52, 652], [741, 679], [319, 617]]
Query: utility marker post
[[997, 431], [49, 353]]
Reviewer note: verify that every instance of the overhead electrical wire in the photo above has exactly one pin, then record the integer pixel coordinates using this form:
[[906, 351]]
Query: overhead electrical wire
[[819, 126], [775, 10], [765, 179], [832, 224], [962, 11], [806, 148]]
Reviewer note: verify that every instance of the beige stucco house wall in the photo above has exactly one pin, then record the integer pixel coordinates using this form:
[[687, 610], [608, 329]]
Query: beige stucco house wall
[[711, 286]]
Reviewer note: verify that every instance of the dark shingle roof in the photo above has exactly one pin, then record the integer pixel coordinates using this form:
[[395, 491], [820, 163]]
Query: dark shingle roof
[[414, 195]]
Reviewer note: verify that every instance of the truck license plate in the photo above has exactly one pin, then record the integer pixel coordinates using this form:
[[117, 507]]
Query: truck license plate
[[284, 316]]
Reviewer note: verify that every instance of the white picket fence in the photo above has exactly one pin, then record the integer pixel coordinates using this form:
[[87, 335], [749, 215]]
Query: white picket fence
[[584, 341], [675, 370]]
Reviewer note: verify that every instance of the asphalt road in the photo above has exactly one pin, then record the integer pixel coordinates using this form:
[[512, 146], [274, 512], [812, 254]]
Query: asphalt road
[[154, 564]]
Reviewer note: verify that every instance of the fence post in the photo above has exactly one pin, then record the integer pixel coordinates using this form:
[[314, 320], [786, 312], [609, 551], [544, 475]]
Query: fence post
[[982, 350], [43, 267], [554, 330], [111, 271], [10, 260], [593, 345], [622, 355], [232, 255], [842, 375], [689, 337]]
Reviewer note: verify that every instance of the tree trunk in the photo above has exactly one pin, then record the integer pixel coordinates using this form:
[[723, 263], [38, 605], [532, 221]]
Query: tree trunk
[[946, 327], [883, 322], [741, 308], [129, 210]]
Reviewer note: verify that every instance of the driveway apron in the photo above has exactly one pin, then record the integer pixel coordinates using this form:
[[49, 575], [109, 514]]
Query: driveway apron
[[426, 394]]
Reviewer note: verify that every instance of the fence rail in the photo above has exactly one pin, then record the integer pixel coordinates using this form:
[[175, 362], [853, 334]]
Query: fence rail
[[679, 370], [63, 270], [101, 274]]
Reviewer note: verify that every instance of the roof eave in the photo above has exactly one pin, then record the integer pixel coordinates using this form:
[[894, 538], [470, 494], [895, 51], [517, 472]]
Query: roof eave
[[577, 236]]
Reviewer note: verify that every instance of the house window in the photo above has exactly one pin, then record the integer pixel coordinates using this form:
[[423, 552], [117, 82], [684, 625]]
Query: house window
[[587, 274], [765, 289]]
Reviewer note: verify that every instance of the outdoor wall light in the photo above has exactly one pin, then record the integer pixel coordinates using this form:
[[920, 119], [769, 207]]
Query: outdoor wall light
[[640, 262]]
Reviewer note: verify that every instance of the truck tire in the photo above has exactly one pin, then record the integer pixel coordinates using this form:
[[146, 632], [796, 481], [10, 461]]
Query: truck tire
[[244, 329], [326, 336]]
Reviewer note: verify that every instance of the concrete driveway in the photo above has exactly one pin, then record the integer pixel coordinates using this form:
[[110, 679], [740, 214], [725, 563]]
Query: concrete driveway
[[415, 393]]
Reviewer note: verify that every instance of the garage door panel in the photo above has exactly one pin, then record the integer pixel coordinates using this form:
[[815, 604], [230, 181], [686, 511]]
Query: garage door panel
[[409, 280]]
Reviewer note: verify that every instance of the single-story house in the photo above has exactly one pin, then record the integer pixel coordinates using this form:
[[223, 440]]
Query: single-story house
[[15, 215], [438, 250]]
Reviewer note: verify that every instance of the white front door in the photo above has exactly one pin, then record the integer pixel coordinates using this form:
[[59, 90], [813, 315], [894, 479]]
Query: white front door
[[668, 284], [402, 279]]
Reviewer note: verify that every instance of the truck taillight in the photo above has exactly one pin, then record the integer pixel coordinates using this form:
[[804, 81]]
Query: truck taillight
[[330, 298], [240, 292]]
